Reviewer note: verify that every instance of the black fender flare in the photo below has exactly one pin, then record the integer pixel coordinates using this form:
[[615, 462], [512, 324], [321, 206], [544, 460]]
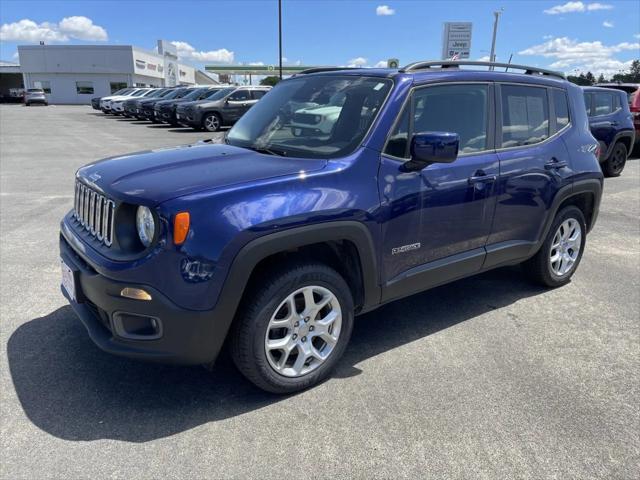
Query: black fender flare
[[257, 250], [590, 185], [627, 133]]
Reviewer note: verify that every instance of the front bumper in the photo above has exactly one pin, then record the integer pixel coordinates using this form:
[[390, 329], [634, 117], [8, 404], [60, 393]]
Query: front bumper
[[188, 119], [117, 107], [164, 115], [187, 337]]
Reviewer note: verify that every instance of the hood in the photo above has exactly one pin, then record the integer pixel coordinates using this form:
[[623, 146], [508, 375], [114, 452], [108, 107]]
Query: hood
[[155, 176], [191, 103], [161, 102], [210, 103]]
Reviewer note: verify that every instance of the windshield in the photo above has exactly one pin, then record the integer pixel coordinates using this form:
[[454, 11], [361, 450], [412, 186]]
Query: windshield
[[148, 93], [210, 93], [175, 93], [122, 91], [194, 93], [221, 94], [322, 116], [167, 93], [139, 93]]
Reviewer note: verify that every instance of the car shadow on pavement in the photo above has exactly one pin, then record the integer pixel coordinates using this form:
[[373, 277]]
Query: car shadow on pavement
[[72, 390]]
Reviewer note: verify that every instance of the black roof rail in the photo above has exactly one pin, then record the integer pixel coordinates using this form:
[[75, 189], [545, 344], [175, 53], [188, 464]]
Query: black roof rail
[[326, 69], [528, 70]]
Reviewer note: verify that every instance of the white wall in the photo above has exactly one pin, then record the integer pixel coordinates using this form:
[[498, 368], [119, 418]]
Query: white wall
[[75, 58], [63, 85]]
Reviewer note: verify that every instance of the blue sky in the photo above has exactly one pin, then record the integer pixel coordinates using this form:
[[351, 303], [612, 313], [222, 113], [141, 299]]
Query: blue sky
[[566, 35]]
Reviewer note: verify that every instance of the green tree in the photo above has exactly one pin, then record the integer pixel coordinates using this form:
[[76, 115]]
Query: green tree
[[601, 79], [590, 78], [271, 80], [579, 79]]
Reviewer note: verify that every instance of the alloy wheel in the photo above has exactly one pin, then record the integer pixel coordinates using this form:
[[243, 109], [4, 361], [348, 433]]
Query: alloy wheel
[[303, 331], [565, 247], [212, 123]]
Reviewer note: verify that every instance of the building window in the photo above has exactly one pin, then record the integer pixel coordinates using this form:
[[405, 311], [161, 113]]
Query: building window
[[43, 84], [84, 88], [115, 86]]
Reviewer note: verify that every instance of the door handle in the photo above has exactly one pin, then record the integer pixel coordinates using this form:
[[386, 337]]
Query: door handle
[[555, 164], [614, 124], [481, 177]]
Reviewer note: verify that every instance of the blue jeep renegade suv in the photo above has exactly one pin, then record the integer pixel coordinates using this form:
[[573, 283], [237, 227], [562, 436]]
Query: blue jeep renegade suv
[[341, 190]]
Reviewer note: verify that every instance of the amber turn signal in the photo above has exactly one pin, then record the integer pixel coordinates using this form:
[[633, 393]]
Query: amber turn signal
[[180, 227]]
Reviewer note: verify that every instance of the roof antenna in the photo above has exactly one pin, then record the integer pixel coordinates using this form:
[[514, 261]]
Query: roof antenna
[[509, 62]]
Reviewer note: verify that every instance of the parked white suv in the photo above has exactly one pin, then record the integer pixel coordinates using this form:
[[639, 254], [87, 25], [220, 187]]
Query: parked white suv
[[105, 102]]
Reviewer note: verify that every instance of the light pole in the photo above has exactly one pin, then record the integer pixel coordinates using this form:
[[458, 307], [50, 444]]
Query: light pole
[[492, 56], [280, 37]]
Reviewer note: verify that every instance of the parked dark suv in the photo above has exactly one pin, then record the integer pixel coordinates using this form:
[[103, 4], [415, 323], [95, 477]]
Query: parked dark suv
[[611, 123], [275, 240], [165, 110], [633, 96], [224, 108]]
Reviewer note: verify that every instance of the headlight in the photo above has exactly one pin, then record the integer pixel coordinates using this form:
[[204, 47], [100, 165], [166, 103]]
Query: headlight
[[145, 225]]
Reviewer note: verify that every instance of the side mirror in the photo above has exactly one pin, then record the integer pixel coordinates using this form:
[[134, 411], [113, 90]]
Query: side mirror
[[433, 147]]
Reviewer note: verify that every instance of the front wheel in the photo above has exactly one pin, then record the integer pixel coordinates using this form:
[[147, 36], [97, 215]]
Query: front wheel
[[212, 122], [613, 166], [560, 254], [294, 329]]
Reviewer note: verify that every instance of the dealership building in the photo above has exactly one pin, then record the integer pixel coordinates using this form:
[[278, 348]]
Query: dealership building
[[75, 73]]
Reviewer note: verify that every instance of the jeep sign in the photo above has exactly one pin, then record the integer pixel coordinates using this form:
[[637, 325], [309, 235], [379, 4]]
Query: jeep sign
[[456, 40]]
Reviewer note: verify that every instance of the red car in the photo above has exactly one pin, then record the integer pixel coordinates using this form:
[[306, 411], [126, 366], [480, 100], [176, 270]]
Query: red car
[[633, 92]]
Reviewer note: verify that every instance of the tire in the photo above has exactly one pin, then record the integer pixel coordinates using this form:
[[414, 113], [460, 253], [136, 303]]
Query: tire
[[211, 122], [253, 328], [614, 165], [541, 268]]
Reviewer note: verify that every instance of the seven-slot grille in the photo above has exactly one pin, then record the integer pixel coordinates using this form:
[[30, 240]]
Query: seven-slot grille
[[94, 212]]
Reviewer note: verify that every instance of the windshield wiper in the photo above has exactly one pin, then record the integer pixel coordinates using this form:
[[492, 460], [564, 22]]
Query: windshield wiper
[[267, 150]]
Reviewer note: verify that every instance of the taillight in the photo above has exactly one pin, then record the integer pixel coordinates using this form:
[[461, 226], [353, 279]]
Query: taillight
[[597, 151]]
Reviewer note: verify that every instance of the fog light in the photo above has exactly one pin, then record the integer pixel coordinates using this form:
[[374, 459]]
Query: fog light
[[136, 327], [135, 294]]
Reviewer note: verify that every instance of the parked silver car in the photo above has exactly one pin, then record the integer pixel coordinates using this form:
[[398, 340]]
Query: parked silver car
[[35, 95]]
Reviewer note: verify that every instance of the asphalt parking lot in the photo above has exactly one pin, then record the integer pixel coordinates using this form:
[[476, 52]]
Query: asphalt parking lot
[[489, 377]]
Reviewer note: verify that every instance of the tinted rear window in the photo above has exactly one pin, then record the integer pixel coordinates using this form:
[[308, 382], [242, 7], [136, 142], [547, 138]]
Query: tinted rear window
[[525, 115], [562, 109], [602, 103]]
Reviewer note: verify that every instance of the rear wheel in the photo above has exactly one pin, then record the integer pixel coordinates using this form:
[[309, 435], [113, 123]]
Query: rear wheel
[[294, 329], [560, 254], [614, 165], [212, 122]]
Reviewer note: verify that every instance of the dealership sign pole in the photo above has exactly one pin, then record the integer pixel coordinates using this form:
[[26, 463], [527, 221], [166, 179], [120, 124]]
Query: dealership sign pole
[[280, 35]]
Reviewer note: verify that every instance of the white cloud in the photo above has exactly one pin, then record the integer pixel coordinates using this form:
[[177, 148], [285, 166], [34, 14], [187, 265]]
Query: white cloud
[[569, 54], [637, 35], [82, 28], [598, 6], [76, 27], [384, 10], [357, 62], [607, 24], [256, 64], [486, 58], [188, 52], [381, 64], [573, 7]]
